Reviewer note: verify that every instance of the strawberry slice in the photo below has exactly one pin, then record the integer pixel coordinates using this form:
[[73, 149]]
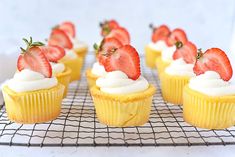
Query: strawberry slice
[[60, 38], [121, 34], [69, 28], [107, 26], [125, 59], [34, 59], [107, 46], [160, 33], [214, 59], [54, 53], [177, 35], [187, 51]]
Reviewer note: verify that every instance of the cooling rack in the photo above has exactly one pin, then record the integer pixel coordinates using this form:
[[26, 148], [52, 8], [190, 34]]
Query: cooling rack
[[77, 125]]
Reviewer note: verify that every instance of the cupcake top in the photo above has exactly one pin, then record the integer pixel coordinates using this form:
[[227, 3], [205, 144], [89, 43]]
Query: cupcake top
[[57, 68], [34, 69], [98, 69], [122, 64], [158, 46], [184, 58], [213, 70]]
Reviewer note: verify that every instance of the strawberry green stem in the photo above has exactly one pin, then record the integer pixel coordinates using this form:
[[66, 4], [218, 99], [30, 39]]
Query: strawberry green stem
[[178, 44]]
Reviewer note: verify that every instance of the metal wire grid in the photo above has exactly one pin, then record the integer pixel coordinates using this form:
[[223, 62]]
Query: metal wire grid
[[77, 125]]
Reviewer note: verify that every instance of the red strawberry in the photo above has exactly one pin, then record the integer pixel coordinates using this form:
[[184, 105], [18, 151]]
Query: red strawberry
[[107, 26], [125, 59], [54, 53], [69, 28], [121, 34], [108, 45], [160, 33], [177, 35], [214, 59], [60, 38], [34, 59], [187, 51]]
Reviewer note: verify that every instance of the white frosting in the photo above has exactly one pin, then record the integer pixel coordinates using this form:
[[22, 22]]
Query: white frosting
[[69, 53], [181, 68], [98, 69], [28, 80], [117, 82], [211, 84], [167, 53], [78, 44], [57, 68], [158, 46]]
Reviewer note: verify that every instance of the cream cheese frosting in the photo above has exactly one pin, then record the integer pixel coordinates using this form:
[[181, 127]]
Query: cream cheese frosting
[[57, 68], [210, 83], [98, 69], [181, 68], [78, 44], [27, 80], [69, 53], [167, 53], [117, 82], [158, 46]]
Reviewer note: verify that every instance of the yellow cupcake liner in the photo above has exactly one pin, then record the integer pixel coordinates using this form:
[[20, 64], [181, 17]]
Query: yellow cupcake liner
[[75, 64], [35, 106], [123, 110], [91, 78], [81, 52], [64, 79], [150, 56], [172, 87], [209, 112], [161, 65]]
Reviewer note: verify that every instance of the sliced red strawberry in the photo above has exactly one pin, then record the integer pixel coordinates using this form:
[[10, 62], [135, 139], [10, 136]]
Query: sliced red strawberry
[[108, 45], [160, 33], [187, 51], [121, 34], [107, 26], [35, 59], [60, 38], [177, 35], [54, 53], [214, 59], [69, 28], [125, 59]]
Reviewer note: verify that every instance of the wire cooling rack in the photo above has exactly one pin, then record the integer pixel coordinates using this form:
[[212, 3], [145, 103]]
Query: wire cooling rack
[[77, 125]]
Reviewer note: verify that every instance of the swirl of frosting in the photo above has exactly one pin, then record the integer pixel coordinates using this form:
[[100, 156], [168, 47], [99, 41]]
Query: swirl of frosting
[[69, 53], [158, 46], [117, 82], [78, 44], [98, 69], [181, 68], [210, 83], [167, 53], [57, 68], [28, 80]]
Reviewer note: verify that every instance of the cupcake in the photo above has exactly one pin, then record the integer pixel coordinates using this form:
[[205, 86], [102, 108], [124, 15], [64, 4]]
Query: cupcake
[[154, 49], [167, 54], [33, 95], [122, 97], [209, 98], [177, 74], [107, 46], [66, 38]]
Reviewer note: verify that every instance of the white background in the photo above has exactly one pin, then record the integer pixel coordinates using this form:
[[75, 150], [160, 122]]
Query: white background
[[207, 23]]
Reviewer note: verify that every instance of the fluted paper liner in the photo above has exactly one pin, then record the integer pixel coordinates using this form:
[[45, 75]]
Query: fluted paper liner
[[75, 65], [210, 112], [64, 79], [172, 87], [161, 65], [33, 107], [91, 78], [150, 56], [123, 110]]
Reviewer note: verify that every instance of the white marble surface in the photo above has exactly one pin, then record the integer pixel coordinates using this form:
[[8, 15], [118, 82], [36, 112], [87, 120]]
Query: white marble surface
[[208, 23]]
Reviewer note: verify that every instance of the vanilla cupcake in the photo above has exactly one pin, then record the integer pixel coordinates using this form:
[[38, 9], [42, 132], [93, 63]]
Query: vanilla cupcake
[[123, 97], [209, 98], [154, 49]]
